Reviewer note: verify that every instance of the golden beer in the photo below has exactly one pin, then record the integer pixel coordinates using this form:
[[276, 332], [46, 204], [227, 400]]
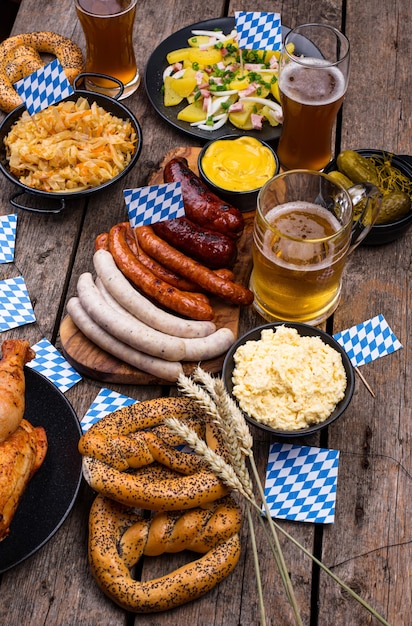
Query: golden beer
[[311, 99], [302, 234], [298, 265], [108, 29]]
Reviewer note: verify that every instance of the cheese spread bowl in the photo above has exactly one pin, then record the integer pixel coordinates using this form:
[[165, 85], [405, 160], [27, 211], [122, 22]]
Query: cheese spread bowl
[[385, 233], [282, 389], [235, 169], [55, 201]]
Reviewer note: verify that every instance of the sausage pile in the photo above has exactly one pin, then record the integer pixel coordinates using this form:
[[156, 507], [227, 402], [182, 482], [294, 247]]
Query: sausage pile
[[130, 459], [150, 302]]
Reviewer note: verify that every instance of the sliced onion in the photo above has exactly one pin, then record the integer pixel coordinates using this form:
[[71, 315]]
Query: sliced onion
[[264, 101], [209, 33]]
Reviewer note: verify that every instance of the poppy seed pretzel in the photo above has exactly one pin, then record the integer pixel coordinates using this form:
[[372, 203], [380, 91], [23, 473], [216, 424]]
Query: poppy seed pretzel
[[122, 456], [119, 536], [19, 57]]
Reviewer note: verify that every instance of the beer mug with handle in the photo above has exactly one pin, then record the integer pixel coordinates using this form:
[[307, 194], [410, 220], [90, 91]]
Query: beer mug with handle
[[304, 229], [311, 92]]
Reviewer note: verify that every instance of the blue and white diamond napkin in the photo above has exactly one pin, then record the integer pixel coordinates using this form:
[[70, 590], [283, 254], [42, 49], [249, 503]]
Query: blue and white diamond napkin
[[155, 203], [105, 402], [258, 30], [15, 306], [8, 225], [44, 87], [301, 483], [368, 341], [53, 365]]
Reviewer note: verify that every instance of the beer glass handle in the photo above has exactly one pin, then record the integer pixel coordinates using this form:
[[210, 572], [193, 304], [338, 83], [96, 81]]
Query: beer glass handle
[[371, 198]]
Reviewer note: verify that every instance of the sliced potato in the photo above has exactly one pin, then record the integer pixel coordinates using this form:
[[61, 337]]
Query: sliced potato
[[192, 113]]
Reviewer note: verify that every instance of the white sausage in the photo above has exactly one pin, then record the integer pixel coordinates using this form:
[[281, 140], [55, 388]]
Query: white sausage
[[165, 370], [205, 348], [129, 330], [197, 349], [139, 306]]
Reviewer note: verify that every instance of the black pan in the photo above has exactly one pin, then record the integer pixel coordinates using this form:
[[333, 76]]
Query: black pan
[[109, 104]]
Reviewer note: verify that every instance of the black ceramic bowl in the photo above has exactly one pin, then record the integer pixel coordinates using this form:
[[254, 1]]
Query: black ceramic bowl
[[59, 198], [386, 233], [243, 200], [306, 331]]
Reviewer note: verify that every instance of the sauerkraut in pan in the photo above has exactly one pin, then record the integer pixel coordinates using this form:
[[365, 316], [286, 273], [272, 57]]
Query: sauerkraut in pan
[[70, 146]]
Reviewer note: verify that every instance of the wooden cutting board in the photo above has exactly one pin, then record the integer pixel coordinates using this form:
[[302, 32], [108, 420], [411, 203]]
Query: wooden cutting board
[[89, 360]]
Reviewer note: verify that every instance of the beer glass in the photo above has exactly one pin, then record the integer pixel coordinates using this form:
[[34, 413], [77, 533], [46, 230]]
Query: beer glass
[[311, 89], [304, 229], [108, 29]]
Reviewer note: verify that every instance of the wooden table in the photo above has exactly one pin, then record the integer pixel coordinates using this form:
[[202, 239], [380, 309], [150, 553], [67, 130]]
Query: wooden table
[[369, 545]]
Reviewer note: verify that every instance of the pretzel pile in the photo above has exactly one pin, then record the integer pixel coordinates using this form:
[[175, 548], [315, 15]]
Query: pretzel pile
[[130, 459], [20, 56]]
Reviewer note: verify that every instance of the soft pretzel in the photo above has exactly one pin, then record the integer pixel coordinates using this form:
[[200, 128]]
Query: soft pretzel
[[121, 458], [119, 536], [19, 56]]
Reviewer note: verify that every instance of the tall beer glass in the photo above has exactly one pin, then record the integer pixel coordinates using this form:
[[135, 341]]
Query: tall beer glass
[[108, 29], [312, 89]]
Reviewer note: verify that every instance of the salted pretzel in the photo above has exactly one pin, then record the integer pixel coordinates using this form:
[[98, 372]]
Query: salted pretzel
[[119, 536], [126, 461], [20, 56]]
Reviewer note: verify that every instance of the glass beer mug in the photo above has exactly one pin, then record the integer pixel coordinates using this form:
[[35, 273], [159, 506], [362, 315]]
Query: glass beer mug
[[311, 93], [108, 29], [304, 229]]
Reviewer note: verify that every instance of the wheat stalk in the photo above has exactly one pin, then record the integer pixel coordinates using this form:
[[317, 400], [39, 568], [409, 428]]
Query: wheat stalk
[[218, 405]]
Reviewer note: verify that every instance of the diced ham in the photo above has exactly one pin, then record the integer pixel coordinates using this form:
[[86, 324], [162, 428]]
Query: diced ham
[[273, 63], [256, 121], [236, 106], [251, 89], [254, 67]]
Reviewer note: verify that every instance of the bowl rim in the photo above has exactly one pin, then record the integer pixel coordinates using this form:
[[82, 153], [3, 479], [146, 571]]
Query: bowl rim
[[91, 96], [304, 330], [230, 192]]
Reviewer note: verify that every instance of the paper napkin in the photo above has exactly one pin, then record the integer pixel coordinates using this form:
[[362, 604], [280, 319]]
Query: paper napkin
[[15, 306], [105, 402], [301, 483], [8, 225], [44, 87], [53, 365], [368, 341], [155, 203], [258, 31]]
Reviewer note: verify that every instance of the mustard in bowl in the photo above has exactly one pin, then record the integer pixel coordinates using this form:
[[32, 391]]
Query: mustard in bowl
[[236, 168]]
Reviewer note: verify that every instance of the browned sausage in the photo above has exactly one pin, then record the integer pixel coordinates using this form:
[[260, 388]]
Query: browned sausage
[[102, 242], [175, 260], [201, 205], [166, 295], [158, 270], [212, 249]]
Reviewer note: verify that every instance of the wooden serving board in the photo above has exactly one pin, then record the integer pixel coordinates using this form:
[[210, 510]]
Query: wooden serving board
[[89, 360]]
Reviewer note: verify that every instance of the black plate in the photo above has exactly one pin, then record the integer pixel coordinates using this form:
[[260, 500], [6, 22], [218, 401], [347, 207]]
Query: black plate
[[154, 80], [51, 493], [108, 104]]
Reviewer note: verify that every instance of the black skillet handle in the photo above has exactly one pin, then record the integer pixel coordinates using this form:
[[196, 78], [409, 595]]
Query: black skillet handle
[[83, 75], [17, 205]]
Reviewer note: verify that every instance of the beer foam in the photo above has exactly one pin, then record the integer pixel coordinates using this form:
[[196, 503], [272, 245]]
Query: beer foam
[[315, 83], [301, 226]]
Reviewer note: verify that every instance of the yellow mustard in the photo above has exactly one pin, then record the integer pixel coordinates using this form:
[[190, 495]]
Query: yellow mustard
[[241, 164]]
